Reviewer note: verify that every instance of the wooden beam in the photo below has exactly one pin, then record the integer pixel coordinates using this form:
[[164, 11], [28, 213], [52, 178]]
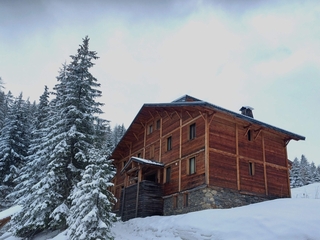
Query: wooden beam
[[248, 129], [212, 116], [206, 151], [160, 143], [135, 136], [286, 142], [137, 198], [259, 131], [180, 151], [288, 173], [151, 115], [264, 166], [189, 114], [237, 158], [144, 142]]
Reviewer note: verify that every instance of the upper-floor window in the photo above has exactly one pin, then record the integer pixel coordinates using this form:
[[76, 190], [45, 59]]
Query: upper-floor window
[[150, 128], [192, 131], [158, 124], [139, 155], [251, 168], [192, 165], [169, 143], [168, 174]]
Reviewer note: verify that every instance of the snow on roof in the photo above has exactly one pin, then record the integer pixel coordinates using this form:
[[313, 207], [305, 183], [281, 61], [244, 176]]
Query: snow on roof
[[10, 211], [143, 161], [146, 161]]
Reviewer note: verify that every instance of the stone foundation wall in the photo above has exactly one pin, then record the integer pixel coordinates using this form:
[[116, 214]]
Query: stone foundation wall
[[208, 198]]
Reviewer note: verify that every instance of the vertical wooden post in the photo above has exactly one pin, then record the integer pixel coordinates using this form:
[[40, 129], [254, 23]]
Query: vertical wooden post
[[138, 186], [160, 143], [288, 173], [180, 154], [206, 149], [264, 164], [237, 158], [144, 141]]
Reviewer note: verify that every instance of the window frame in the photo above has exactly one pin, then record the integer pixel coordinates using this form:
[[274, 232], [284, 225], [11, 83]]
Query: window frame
[[251, 169], [192, 131], [192, 166], [150, 129], [168, 174], [169, 143]]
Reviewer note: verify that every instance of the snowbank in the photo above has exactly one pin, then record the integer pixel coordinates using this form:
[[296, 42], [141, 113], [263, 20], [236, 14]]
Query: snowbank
[[297, 218]]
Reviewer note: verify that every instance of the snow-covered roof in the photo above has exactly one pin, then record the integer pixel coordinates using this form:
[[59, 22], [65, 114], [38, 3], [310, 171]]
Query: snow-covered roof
[[142, 161]]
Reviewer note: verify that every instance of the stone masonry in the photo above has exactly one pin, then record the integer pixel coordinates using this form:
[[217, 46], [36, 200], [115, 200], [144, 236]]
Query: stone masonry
[[207, 198]]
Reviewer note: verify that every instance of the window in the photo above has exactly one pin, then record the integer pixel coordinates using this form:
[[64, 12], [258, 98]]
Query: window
[[139, 155], [150, 128], [168, 174], [251, 168], [158, 124], [185, 200], [192, 165], [192, 131], [169, 143], [249, 135], [175, 202]]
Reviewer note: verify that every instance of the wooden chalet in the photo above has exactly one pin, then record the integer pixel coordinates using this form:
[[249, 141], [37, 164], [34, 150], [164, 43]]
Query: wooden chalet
[[189, 155]]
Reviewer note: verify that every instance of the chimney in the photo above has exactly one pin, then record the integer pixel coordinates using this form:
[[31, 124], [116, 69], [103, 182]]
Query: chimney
[[247, 111]]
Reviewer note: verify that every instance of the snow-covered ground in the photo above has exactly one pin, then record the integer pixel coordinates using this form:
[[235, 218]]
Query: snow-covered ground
[[297, 218]]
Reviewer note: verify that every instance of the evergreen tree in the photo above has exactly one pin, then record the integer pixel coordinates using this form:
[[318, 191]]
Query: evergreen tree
[[36, 163], [73, 130], [91, 214], [295, 176], [313, 172], [305, 171], [118, 132], [317, 178], [13, 146]]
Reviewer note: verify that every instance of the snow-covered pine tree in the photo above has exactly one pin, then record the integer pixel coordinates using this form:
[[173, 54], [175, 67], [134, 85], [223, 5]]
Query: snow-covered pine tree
[[313, 172], [43, 195], [36, 163], [13, 147], [5, 106], [72, 133], [317, 178], [305, 171], [91, 214], [295, 176], [118, 132]]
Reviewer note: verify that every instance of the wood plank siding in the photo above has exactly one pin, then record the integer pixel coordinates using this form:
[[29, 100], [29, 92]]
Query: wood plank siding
[[201, 144]]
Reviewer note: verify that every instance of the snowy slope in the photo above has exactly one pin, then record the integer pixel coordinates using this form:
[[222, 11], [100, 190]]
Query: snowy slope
[[297, 218]]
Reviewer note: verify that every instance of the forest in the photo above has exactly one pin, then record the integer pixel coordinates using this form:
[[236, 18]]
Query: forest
[[54, 155]]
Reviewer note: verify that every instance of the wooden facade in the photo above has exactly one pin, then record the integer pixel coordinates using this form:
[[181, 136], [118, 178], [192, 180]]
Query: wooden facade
[[191, 143]]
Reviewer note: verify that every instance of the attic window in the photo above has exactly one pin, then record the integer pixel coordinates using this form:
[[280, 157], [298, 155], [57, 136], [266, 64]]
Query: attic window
[[251, 168]]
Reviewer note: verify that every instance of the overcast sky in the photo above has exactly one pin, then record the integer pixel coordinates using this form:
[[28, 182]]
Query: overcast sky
[[265, 54]]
